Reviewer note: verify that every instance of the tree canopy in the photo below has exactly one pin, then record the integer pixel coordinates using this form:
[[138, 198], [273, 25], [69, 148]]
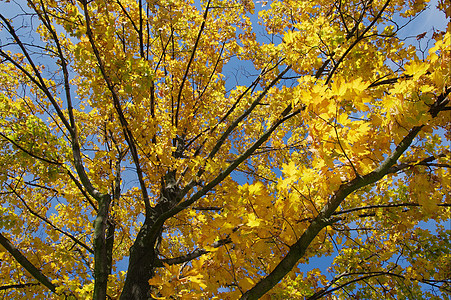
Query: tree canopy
[[173, 149]]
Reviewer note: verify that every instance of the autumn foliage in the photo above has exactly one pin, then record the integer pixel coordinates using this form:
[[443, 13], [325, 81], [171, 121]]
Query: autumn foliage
[[173, 149]]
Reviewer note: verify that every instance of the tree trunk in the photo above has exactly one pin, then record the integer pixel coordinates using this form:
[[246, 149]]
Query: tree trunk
[[141, 266], [101, 259], [143, 254]]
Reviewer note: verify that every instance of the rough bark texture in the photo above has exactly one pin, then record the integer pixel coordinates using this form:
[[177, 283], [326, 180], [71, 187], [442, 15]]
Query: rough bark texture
[[144, 253], [141, 266]]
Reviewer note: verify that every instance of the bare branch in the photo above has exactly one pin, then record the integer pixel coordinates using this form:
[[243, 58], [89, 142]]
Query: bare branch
[[366, 275], [388, 81], [207, 208], [246, 113], [425, 162]]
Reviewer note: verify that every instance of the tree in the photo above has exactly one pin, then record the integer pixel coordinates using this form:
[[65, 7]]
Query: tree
[[124, 139]]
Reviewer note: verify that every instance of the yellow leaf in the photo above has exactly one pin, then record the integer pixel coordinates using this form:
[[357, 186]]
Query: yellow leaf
[[156, 280], [359, 84], [339, 88], [290, 170], [308, 176], [416, 69], [252, 221], [197, 281], [429, 204], [256, 188], [342, 119], [289, 37]]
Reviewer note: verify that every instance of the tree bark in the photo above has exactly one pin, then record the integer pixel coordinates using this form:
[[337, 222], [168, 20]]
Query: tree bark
[[141, 266], [102, 263], [143, 254]]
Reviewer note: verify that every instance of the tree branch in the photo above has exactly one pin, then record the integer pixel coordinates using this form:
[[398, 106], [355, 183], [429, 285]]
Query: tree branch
[[24, 262], [18, 286], [324, 291], [235, 123], [39, 81], [29, 152], [80, 188], [77, 241], [192, 255], [221, 176], [116, 102], [193, 53], [297, 250], [425, 162], [388, 81], [346, 211], [358, 39]]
